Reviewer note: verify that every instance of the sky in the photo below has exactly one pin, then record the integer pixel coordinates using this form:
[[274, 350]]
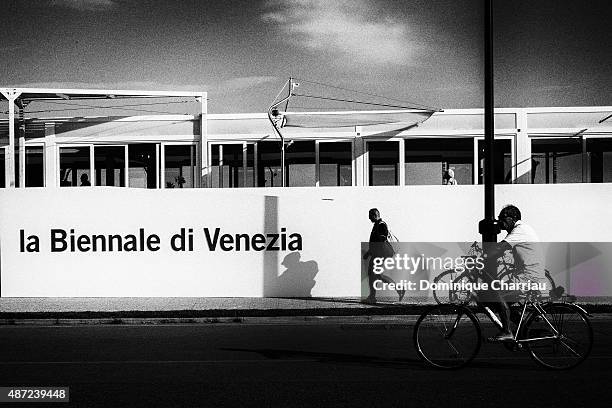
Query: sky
[[429, 52]]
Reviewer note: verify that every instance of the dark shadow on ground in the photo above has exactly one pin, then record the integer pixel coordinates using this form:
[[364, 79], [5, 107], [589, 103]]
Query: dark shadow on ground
[[324, 357]]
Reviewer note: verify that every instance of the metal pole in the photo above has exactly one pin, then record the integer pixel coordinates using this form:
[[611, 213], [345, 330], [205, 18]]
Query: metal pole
[[273, 112], [488, 226]]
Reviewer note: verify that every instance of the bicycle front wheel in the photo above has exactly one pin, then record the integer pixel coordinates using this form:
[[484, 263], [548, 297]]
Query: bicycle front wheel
[[561, 338], [447, 336]]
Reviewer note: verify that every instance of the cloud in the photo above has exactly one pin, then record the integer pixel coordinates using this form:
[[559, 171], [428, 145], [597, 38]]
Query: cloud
[[241, 83], [349, 28], [554, 88], [85, 5]]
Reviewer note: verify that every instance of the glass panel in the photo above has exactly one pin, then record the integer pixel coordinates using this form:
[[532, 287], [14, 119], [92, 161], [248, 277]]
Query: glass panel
[[34, 169], [599, 160], [300, 164], [502, 161], [17, 161], [180, 167], [109, 164], [231, 169], [335, 164], [227, 165], [142, 171], [214, 165], [427, 160], [268, 164], [74, 166], [250, 165], [556, 161], [384, 163], [2, 168]]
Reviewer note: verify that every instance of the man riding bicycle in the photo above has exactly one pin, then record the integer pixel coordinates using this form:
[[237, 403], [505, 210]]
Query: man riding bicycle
[[523, 241]]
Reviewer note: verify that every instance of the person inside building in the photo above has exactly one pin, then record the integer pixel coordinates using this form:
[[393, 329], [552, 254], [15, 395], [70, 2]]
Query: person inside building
[[523, 241], [449, 178], [379, 248], [85, 180]]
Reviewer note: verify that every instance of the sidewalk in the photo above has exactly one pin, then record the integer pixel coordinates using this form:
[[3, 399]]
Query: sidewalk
[[116, 308], [84, 308]]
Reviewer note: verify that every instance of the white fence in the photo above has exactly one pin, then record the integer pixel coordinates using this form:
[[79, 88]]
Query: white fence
[[38, 258]]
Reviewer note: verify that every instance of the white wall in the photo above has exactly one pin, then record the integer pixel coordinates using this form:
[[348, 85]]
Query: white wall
[[331, 221]]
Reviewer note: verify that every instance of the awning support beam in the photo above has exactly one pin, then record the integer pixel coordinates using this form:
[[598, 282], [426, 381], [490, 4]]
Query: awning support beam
[[12, 96]]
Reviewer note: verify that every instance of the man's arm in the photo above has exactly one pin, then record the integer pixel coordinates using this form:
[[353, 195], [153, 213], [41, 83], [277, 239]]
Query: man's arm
[[382, 232], [496, 250]]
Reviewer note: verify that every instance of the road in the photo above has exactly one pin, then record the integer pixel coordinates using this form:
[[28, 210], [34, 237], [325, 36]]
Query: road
[[344, 362]]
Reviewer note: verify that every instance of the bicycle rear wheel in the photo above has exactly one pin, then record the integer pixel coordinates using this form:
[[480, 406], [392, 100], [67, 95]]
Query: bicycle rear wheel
[[565, 346], [455, 296], [447, 336]]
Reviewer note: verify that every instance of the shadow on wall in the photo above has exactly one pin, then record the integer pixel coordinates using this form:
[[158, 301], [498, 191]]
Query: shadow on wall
[[298, 278]]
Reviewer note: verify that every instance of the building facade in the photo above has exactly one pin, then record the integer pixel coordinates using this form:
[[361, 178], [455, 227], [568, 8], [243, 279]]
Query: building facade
[[533, 146]]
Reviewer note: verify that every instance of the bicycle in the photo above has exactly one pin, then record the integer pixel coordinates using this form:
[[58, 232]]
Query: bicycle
[[447, 281], [557, 335]]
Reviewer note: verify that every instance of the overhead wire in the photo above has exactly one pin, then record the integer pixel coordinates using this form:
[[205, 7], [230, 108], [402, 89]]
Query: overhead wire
[[414, 104], [79, 106], [353, 101]]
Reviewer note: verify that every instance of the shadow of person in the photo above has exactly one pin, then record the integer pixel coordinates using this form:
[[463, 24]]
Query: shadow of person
[[298, 278]]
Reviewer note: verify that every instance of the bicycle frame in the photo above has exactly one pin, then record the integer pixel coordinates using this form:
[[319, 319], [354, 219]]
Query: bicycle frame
[[537, 309]]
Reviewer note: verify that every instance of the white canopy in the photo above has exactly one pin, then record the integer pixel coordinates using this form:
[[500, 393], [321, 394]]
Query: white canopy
[[406, 117]]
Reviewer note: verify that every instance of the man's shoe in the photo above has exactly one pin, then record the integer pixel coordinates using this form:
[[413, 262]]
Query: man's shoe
[[503, 336], [401, 294], [369, 300]]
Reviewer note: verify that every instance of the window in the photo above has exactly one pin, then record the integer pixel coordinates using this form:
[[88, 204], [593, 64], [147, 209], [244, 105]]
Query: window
[[109, 162], [300, 167], [268, 164], [250, 170], [599, 160], [226, 165], [502, 161], [299, 164], [2, 168], [74, 166], [556, 160], [34, 167], [179, 166], [17, 161], [383, 160], [335, 164], [427, 159], [142, 159]]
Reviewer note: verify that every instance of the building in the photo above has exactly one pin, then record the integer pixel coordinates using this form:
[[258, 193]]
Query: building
[[551, 162], [533, 145]]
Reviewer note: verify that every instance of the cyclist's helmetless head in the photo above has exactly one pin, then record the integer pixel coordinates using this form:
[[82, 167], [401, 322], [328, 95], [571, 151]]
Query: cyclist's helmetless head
[[508, 217], [374, 214]]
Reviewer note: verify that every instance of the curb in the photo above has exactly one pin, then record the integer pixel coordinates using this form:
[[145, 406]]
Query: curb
[[190, 316]]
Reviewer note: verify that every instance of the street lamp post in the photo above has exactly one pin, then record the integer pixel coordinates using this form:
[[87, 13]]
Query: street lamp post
[[488, 227]]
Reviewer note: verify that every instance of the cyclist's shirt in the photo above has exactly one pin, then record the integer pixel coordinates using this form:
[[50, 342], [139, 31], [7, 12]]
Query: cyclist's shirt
[[527, 251]]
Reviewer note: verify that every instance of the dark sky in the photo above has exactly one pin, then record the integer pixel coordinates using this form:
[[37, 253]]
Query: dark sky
[[548, 53]]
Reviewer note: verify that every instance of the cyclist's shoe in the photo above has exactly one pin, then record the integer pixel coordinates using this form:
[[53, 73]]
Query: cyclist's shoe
[[501, 337]]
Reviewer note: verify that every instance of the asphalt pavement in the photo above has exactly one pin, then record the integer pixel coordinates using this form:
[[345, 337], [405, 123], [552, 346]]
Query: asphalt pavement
[[364, 361]]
